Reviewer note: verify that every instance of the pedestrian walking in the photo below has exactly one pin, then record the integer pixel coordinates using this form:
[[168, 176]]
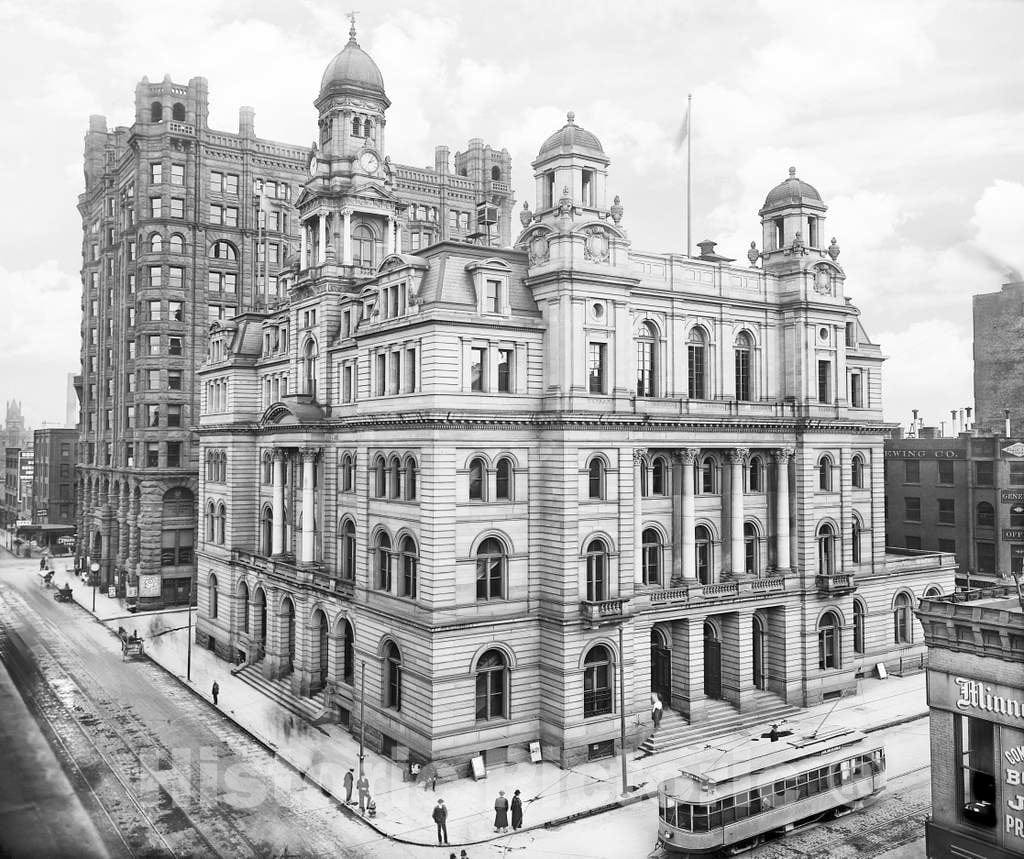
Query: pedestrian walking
[[216, 692], [773, 734], [440, 816], [349, 780], [501, 813], [517, 811], [363, 789], [656, 708], [463, 854]]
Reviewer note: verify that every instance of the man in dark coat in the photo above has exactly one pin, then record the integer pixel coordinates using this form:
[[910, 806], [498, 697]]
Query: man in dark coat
[[517, 811], [216, 692], [349, 779], [441, 819]]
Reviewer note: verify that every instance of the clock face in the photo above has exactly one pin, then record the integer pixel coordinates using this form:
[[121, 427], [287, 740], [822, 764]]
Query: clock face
[[369, 162], [312, 165]]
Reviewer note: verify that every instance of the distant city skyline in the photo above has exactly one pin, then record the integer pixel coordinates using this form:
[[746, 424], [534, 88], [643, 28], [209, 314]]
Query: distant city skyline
[[924, 189]]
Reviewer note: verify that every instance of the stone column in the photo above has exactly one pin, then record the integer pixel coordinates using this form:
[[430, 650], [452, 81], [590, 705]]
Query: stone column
[[321, 237], [689, 517], [304, 246], [133, 538], [306, 549], [123, 515], [782, 458], [398, 237], [737, 459], [277, 537], [639, 464], [389, 236], [346, 237]]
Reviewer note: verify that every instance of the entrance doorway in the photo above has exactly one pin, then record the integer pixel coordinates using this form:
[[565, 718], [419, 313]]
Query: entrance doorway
[[261, 624], [712, 661], [757, 632], [661, 667], [288, 619]]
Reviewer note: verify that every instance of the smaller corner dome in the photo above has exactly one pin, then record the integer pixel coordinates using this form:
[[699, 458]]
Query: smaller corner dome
[[792, 190], [571, 138], [352, 69]]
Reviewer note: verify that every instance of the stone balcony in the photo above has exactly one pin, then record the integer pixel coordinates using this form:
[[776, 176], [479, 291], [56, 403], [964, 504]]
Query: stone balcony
[[718, 591], [312, 576], [835, 584], [598, 612]]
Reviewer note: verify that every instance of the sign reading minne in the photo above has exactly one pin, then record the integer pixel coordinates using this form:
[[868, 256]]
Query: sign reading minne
[[974, 694]]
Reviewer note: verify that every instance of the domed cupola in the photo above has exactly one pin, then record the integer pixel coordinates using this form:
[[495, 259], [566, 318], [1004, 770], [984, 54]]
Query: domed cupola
[[571, 165], [353, 72], [792, 217], [571, 139]]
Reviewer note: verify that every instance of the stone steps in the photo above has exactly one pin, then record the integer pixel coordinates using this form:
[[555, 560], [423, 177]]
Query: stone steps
[[719, 718], [280, 692]]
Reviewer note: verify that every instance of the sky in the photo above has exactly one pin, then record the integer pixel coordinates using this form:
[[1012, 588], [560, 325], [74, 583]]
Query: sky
[[906, 115]]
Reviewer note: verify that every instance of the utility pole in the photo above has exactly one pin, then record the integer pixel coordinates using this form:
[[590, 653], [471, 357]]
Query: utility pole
[[94, 572], [362, 714], [622, 709], [188, 662]]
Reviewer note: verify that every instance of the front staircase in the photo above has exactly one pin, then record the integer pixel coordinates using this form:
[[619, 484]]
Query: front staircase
[[720, 717], [312, 709]]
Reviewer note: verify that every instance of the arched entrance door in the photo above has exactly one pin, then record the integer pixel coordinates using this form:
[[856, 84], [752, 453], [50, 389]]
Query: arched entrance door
[[261, 624], [661, 667], [320, 631], [288, 619], [712, 661], [757, 649]]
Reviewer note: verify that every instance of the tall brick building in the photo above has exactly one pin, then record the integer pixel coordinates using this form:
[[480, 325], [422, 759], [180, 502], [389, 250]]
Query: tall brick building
[[500, 479], [999, 358], [53, 476], [184, 226]]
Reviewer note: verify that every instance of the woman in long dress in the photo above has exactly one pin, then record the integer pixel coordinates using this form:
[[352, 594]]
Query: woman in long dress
[[501, 813], [517, 811]]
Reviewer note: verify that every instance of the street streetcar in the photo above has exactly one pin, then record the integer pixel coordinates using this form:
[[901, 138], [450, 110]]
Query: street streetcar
[[744, 788]]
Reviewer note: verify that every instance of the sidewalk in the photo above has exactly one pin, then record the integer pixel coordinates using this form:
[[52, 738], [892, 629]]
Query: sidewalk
[[551, 795]]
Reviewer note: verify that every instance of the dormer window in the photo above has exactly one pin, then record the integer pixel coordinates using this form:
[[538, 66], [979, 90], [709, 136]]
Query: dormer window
[[492, 296], [393, 300]]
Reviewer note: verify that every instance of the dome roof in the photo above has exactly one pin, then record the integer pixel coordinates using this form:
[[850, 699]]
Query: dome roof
[[792, 190], [571, 138], [352, 70]]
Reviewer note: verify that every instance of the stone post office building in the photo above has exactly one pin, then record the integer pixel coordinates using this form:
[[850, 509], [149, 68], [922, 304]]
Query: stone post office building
[[498, 474]]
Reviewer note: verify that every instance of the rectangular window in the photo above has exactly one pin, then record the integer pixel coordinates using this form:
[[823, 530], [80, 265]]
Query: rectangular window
[[346, 383], [986, 553], [984, 473], [912, 509], [155, 207], [216, 214], [743, 375], [175, 311], [154, 310], [156, 276], [912, 541], [152, 416], [856, 391], [477, 368], [824, 381], [453, 219], [152, 454], [911, 471], [947, 511], [173, 379], [1017, 474], [130, 383], [947, 546], [216, 182], [231, 216], [177, 174], [976, 773], [505, 371], [177, 207], [945, 472], [153, 344], [596, 367], [394, 372], [696, 375], [174, 454], [410, 370], [231, 184], [492, 297], [174, 346], [156, 173], [274, 222], [175, 277], [381, 374]]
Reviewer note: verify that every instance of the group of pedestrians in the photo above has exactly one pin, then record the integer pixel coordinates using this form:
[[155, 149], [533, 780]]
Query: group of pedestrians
[[502, 807], [362, 788]]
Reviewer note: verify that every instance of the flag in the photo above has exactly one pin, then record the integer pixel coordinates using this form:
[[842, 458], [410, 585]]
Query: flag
[[684, 129]]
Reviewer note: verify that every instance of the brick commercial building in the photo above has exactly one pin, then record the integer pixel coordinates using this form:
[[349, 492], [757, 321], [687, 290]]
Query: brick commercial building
[[184, 226], [963, 495], [976, 700], [999, 357], [53, 479], [498, 480]]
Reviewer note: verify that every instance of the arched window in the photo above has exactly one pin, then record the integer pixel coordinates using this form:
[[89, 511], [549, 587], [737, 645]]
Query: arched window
[[491, 685], [703, 548], [901, 619], [595, 481], [348, 667], [825, 473], [477, 480], [857, 471], [348, 469], [367, 128], [309, 368], [829, 654], [156, 112], [156, 243], [410, 565], [267, 469], [751, 555], [222, 515], [243, 605], [490, 570], [177, 244], [503, 479], [705, 475], [596, 555], [347, 553], [267, 531], [826, 549], [495, 174], [743, 351], [755, 474], [362, 246], [410, 478], [652, 553], [932, 591], [696, 366], [597, 682], [395, 477], [223, 250], [392, 676], [210, 527], [985, 515], [212, 591], [858, 626], [856, 529], [357, 127], [382, 553], [646, 350], [178, 112], [380, 477], [658, 476]]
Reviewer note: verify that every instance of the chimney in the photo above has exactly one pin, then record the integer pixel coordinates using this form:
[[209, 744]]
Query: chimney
[[246, 121], [441, 159], [952, 422]]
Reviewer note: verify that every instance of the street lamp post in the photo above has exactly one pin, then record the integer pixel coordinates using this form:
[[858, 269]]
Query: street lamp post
[[622, 710], [188, 660], [362, 715], [94, 572]]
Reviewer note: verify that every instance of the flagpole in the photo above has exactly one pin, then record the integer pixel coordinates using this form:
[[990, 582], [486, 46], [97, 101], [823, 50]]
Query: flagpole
[[689, 138]]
